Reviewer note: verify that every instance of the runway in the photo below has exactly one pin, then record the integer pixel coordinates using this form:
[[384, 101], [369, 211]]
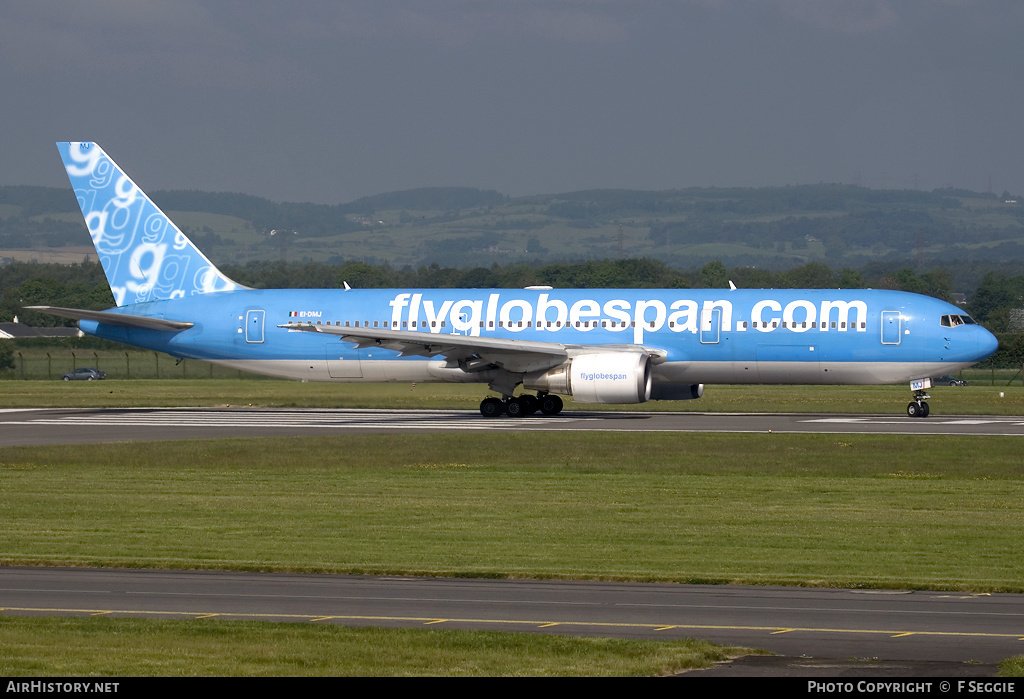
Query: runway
[[823, 623], [83, 425]]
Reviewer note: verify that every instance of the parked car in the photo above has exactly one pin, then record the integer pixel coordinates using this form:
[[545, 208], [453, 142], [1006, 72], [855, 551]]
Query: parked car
[[83, 374], [948, 380]]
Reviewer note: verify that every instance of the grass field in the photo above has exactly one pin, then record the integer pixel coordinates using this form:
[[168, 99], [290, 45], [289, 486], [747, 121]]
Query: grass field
[[137, 647], [867, 511], [969, 400]]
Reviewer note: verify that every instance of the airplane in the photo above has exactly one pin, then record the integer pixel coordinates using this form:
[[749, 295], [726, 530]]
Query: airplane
[[612, 346]]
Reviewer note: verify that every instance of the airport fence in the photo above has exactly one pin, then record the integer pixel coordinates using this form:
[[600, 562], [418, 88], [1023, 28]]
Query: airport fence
[[38, 365], [992, 377]]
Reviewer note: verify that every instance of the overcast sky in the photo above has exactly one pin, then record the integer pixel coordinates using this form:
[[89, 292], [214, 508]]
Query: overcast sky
[[331, 100]]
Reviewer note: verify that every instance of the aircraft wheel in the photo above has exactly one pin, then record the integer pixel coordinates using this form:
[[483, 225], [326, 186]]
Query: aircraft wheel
[[532, 403], [924, 409], [914, 410], [551, 405], [491, 407], [517, 407]]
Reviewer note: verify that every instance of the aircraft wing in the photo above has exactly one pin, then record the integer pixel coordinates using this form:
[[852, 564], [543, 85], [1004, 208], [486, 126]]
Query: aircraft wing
[[518, 356], [111, 318]]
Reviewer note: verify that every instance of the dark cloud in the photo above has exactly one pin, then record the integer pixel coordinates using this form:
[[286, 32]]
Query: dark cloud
[[329, 101]]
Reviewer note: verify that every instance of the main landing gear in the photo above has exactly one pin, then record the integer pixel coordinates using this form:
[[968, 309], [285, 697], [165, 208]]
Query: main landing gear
[[522, 406]]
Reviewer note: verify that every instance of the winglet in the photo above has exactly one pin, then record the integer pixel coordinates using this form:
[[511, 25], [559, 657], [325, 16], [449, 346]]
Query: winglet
[[144, 255]]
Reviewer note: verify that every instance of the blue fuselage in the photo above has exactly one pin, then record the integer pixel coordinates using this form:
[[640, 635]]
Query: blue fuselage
[[702, 336]]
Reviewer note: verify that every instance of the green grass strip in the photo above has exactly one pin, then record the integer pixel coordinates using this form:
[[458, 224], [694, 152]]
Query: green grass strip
[[886, 400], [79, 647], [872, 511]]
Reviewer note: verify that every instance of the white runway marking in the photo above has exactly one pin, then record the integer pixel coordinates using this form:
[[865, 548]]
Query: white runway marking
[[288, 419], [137, 423], [930, 421]]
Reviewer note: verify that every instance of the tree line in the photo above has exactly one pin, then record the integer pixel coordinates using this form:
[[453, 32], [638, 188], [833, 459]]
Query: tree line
[[84, 285]]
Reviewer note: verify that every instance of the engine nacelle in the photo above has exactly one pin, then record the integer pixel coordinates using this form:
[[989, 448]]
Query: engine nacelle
[[610, 377]]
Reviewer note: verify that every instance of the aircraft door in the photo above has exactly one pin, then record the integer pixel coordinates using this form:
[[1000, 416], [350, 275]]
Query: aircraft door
[[892, 327], [254, 319], [348, 366], [710, 325]]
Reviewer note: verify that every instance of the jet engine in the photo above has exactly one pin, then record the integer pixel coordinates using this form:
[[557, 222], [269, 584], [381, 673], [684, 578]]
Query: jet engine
[[609, 377]]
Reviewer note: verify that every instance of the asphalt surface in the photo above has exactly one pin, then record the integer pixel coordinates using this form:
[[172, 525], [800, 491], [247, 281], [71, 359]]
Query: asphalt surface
[[948, 634], [70, 425]]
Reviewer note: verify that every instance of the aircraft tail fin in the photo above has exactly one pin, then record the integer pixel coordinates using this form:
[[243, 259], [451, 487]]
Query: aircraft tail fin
[[144, 255]]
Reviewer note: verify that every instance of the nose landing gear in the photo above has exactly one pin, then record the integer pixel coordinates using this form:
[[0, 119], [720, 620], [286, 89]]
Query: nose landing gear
[[918, 407]]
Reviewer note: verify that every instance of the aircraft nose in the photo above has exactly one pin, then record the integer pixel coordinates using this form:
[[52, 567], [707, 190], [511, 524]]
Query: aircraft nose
[[987, 343]]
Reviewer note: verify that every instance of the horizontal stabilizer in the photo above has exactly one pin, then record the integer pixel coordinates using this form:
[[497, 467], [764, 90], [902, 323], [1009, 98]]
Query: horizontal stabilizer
[[110, 318]]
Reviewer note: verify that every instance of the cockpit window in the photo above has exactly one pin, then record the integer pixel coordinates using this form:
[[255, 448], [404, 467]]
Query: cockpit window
[[951, 321]]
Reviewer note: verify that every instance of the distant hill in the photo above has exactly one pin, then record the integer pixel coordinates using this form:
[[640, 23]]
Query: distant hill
[[428, 199], [769, 228]]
